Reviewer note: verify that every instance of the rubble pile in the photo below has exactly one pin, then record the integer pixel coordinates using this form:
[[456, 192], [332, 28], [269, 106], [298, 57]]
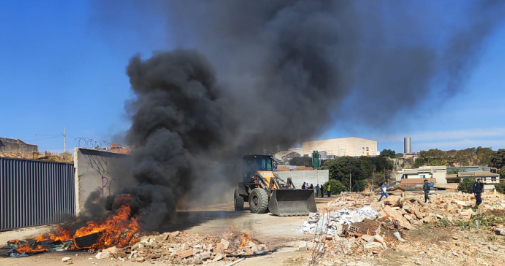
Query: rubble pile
[[184, 248], [381, 224]]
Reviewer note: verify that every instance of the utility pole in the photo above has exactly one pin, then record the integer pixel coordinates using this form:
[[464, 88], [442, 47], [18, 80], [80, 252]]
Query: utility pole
[[64, 140], [350, 186], [373, 176]]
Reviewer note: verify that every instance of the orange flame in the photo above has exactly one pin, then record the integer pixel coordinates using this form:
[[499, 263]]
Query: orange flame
[[118, 229], [246, 238]]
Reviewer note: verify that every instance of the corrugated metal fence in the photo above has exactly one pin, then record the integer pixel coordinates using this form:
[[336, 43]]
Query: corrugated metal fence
[[35, 193]]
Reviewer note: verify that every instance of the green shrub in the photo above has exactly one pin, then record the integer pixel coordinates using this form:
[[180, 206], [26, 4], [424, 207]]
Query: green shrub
[[466, 184], [500, 188]]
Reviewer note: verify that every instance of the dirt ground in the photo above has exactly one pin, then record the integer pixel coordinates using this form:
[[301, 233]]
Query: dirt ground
[[447, 246]]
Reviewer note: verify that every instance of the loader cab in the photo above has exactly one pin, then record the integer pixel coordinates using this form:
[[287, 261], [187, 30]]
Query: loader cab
[[253, 163]]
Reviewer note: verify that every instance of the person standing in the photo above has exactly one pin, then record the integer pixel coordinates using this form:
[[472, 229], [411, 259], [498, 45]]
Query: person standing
[[328, 189], [317, 190], [311, 186], [426, 189], [303, 186], [323, 191], [383, 192], [478, 187]]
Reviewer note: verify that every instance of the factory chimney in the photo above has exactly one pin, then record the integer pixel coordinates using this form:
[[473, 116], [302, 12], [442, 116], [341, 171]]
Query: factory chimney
[[407, 148]]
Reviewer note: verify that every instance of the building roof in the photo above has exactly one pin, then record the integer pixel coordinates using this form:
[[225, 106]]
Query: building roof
[[478, 174], [416, 181]]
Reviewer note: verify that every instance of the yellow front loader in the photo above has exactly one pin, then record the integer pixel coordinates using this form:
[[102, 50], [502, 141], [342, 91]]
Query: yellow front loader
[[265, 191]]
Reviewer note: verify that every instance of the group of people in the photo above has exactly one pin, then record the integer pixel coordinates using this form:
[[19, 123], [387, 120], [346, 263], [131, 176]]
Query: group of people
[[478, 188], [324, 189]]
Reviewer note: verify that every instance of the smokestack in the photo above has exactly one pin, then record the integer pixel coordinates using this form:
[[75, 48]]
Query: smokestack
[[407, 147]]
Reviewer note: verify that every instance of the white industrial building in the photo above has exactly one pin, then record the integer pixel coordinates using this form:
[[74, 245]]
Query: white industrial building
[[334, 147], [342, 147]]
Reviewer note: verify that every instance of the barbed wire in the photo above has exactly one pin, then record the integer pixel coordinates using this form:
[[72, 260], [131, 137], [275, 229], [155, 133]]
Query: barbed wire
[[87, 143], [102, 145]]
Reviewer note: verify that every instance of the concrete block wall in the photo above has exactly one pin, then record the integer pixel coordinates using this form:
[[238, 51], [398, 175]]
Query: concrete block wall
[[312, 177], [100, 171], [16, 146]]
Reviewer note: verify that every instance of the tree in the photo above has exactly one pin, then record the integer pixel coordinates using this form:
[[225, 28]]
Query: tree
[[387, 153], [466, 184], [500, 188], [498, 159], [419, 162], [502, 173], [342, 167], [336, 187], [301, 161], [484, 155]]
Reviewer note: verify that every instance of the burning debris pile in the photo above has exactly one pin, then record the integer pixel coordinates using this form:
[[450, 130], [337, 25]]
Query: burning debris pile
[[184, 248], [120, 229]]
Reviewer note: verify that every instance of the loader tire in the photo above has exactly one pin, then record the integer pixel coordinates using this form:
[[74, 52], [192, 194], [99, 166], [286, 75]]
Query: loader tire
[[258, 200], [238, 200]]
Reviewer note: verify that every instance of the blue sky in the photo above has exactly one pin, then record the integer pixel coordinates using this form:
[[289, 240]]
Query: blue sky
[[61, 67]]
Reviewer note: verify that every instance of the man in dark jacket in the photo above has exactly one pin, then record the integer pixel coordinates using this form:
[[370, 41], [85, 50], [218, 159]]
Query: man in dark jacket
[[478, 187], [426, 189]]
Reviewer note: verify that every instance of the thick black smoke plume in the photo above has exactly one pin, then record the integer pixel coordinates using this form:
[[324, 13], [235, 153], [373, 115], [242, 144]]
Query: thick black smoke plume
[[284, 72]]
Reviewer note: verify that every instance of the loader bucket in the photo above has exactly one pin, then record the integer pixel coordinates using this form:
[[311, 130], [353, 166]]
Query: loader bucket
[[292, 202]]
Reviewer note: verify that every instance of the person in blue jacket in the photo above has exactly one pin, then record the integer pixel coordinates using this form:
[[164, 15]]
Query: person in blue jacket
[[383, 191], [478, 187]]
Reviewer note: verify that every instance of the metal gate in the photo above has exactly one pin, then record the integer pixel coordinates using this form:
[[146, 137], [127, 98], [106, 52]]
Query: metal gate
[[35, 193]]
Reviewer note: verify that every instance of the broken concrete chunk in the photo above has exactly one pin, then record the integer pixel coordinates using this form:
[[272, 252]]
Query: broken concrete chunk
[[65, 259], [367, 238], [399, 237], [218, 257], [205, 255], [373, 245], [225, 243], [499, 231], [302, 246], [378, 238], [185, 253], [102, 255]]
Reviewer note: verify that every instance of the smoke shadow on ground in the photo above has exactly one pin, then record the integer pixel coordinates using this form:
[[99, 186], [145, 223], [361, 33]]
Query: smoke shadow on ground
[[185, 220]]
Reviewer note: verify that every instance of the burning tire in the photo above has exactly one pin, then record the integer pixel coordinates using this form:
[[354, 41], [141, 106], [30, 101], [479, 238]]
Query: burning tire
[[87, 240], [258, 200], [238, 200]]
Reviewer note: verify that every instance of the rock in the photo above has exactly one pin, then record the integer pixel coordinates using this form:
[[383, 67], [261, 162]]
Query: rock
[[102, 255], [302, 246], [65, 259], [140, 259], [373, 245], [225, 243]]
